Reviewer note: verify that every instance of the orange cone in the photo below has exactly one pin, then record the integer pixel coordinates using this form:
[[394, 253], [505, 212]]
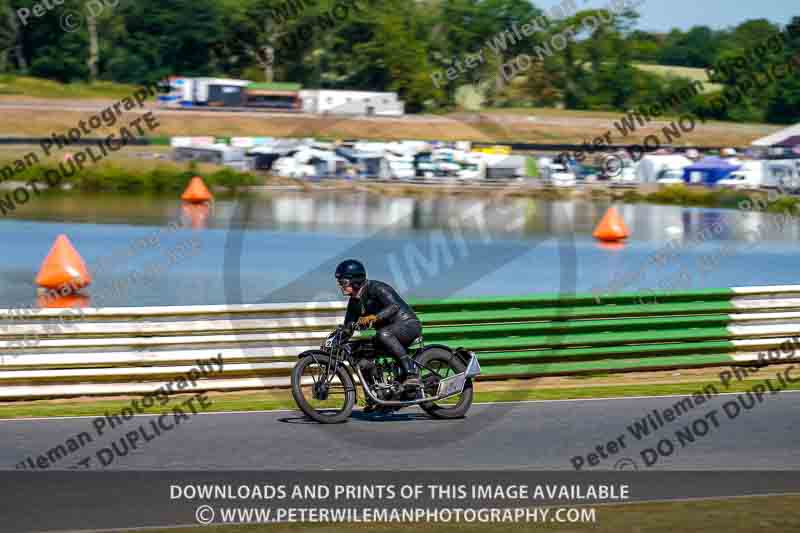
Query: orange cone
[[196, 191], [63, 266], [611, 227]]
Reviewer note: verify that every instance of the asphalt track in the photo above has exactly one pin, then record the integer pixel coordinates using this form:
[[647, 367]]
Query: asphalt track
[[517, 436]]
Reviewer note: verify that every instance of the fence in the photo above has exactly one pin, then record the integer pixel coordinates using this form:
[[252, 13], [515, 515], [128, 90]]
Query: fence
[[132, 350]]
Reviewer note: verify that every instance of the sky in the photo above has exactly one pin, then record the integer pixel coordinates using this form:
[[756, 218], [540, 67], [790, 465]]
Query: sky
[[663, 15]]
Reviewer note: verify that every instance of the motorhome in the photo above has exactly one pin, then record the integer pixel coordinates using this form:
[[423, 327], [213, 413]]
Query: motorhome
[[504, 166], [557, 175], [367, 164], [216, 154], [400, 166], [783, 174], [751, 175], [265, 155], [670, 177], [473, 167], [309, 162], [651, 166]]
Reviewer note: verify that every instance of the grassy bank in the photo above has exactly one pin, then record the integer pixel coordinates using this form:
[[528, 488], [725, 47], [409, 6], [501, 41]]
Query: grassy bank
[[132, 176], [22, 86], [702, 197], [680, 195]]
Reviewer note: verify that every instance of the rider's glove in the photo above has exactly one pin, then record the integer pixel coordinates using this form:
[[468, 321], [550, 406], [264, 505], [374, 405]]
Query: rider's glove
[[366, 321]]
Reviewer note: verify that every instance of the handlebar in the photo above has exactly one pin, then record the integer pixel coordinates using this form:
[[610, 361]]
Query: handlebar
[[339, 332]]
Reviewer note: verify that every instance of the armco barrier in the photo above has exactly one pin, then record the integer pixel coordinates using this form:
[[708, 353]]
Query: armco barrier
[[130, 350]]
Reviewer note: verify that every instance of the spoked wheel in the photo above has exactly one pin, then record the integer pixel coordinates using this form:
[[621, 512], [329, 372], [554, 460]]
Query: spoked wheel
[[325, 397], [444, 364]]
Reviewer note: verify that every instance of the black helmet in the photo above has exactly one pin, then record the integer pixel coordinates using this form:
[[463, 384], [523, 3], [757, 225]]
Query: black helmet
[[351, 272]]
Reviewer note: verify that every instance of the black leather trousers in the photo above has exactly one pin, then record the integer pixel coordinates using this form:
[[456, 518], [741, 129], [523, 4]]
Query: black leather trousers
[[396, 337]]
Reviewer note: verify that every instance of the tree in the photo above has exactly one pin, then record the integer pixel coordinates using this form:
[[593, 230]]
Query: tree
[[157, 39], [10, 38], [697, 48], [783, 106], [398, 56]]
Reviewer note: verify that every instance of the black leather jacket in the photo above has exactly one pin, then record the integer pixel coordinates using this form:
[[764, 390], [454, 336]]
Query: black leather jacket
[[380, 299]]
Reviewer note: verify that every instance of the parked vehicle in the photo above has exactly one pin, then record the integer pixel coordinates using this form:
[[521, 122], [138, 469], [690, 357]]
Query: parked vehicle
[[217, 154], [651, 166], [558, 175], [474, 167], [750, 176], [400, 166], [289, 167], [628, 174], [670, 177], [425, 166], [366, 164], [307, 162], [783, 174]]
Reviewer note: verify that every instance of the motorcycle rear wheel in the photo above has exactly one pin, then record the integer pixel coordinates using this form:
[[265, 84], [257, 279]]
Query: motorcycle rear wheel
[[446, 364], [307, 374]]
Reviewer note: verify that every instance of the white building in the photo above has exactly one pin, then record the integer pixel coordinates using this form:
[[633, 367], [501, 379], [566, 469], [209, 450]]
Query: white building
[[351, 103]]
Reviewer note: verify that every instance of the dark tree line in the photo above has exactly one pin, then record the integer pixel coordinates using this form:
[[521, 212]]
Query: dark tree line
[[392, 45]]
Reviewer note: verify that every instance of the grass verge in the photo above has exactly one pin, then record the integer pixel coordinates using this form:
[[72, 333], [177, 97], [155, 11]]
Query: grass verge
[[43, 88], [282, 399], [136, 176]]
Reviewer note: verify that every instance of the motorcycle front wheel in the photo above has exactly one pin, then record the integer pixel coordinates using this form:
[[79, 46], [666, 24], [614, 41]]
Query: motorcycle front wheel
[[323, 396]]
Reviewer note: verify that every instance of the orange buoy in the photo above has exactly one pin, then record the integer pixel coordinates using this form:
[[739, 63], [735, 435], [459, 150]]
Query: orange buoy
[[63, 267], [196, 191], [611, 227]]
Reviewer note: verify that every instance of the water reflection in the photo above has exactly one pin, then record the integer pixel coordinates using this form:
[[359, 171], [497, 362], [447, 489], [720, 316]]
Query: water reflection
[[360, 213], [289, 233]]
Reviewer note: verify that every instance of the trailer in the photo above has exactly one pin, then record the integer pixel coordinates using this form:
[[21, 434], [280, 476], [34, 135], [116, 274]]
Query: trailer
[[327, 101]]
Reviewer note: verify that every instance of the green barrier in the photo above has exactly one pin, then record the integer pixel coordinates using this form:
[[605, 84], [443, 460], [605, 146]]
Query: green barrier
[[582, 333]]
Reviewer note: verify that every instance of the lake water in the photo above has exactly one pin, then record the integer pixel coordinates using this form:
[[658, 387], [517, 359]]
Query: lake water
[[283, 246]]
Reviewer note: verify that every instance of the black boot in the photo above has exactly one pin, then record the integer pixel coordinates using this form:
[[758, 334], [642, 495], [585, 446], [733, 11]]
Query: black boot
[[410, 372]]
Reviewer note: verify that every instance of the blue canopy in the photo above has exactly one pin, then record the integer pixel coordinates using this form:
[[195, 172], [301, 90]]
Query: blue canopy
[[712, 169]]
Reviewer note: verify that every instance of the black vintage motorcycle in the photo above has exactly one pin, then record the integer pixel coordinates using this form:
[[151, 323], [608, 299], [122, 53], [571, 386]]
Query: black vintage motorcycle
[[323, 381]]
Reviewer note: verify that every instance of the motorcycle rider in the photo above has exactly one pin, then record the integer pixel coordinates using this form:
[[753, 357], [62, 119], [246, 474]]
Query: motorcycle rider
[[376, 303]]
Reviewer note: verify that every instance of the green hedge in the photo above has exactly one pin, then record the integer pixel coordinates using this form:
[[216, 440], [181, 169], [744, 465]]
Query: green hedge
[[159, 178]]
